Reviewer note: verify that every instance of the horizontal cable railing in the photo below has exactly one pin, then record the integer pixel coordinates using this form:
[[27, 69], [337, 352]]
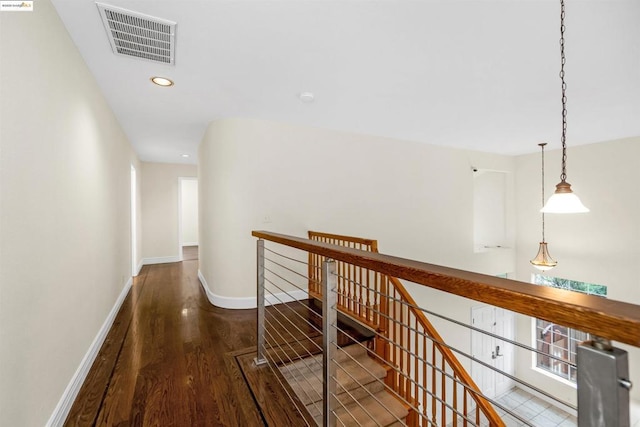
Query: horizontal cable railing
[[380, 301], [333, 374]]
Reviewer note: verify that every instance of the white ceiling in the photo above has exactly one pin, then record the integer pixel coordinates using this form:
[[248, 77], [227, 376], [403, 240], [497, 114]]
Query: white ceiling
[[477, 74]]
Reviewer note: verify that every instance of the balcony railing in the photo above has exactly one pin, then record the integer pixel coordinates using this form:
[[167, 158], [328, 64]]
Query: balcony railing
[[330, 370]]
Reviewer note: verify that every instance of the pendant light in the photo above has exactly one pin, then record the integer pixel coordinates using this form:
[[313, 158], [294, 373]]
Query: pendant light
[[543, 260], [564, 199]]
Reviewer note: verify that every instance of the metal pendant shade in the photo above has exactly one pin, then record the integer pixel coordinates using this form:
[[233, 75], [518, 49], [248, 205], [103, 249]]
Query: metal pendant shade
[[564, 200], [543, 260]]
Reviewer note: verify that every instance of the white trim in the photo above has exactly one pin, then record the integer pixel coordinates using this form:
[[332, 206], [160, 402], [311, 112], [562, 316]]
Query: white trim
[[139, 267], [160, 260], [238, 303], [189, 243], [63, 407]]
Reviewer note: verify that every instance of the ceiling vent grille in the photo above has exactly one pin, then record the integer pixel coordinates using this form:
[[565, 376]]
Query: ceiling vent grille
[[138, 35]]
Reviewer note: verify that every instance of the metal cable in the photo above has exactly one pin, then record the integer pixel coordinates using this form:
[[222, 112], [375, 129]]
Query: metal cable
[[283, 363], [312, 400], [295, 312], [457, 322], [417, 384], [460, 352], [284, 256], [274, 307], [288, 269], [286, 280]]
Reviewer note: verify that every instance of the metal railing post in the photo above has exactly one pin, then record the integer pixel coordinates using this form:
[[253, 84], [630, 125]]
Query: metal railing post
[[329, 340], [603, 385], [260, 359]]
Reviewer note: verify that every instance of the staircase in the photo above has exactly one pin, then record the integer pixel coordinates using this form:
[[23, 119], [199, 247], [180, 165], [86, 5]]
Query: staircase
[[362, 398], [403, 374]]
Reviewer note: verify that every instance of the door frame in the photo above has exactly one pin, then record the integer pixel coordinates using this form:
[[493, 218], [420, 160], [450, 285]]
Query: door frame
[[181, 179]]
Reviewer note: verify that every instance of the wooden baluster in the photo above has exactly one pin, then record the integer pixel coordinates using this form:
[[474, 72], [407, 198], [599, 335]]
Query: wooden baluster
[[444, 392], [395, 327], [455, 402], [358, 292], [402, 333], [433, 382], [340, 284], [384, 302], [465, 409], [376, 299], [367, 293], [424, 378], [416, 366]]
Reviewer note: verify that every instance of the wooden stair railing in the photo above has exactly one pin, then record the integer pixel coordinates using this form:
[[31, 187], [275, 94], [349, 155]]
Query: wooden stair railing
[[425, 371], [608, 319]]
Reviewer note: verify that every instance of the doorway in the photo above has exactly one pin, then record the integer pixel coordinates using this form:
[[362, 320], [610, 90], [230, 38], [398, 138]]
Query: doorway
[[134, 220], [493, 352], [188, 218]]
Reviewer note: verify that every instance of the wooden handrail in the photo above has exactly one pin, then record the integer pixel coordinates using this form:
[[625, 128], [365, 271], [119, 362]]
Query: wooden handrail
[[614, 320], [368, 242]]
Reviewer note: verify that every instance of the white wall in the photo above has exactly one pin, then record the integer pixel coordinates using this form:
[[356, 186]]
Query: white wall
[[160, 207], [598, 247], [189, 211], [416, 199], [65, 249]]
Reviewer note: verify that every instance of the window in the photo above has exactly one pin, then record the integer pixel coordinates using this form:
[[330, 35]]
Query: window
[[489, 209], [559, 341]]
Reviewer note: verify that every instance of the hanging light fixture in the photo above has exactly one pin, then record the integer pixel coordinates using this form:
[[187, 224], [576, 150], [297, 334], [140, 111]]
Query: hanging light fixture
[[564, 199], [543, 260]]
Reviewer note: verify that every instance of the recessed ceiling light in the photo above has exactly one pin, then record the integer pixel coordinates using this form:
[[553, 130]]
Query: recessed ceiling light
[[185, 155], [162, 81], [306, 97]]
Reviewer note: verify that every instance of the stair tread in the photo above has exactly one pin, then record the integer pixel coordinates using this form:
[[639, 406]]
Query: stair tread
[[350, 375], [314, 363], [381, 409]]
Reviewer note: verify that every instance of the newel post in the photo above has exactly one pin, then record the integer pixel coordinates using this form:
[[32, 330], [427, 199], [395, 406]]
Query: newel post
[[603, 385], [260, 359], [329, 340]]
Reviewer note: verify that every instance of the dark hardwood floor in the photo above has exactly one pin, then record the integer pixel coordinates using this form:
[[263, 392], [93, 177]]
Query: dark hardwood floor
[[169, 359]]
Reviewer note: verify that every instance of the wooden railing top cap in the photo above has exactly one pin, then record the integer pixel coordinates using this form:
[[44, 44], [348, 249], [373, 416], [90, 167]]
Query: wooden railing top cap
[[614, 320]]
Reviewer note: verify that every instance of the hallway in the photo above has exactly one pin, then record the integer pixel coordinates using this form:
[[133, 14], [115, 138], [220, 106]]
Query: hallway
[[165, 362]]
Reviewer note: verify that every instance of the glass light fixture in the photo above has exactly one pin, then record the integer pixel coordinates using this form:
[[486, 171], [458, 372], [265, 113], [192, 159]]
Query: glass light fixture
[[543, 260], [564, 199]]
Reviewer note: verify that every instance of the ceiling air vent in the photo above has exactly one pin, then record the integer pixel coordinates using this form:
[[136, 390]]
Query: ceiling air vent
[[138, 35]]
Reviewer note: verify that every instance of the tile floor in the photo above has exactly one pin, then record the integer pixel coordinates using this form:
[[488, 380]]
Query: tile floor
[[538, 413], [535, 411]]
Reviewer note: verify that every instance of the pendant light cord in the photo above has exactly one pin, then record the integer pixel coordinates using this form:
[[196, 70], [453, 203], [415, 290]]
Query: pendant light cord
[[563, 175], [542, 147]]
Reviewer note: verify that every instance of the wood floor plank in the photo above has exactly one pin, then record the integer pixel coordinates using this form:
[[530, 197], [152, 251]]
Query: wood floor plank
[[273, 394], [91, 394], [164, 364]]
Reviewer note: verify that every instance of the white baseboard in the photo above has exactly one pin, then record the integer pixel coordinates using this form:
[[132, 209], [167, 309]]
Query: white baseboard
[[63, 407], [161, 260], [189, 243], [239, 303]]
